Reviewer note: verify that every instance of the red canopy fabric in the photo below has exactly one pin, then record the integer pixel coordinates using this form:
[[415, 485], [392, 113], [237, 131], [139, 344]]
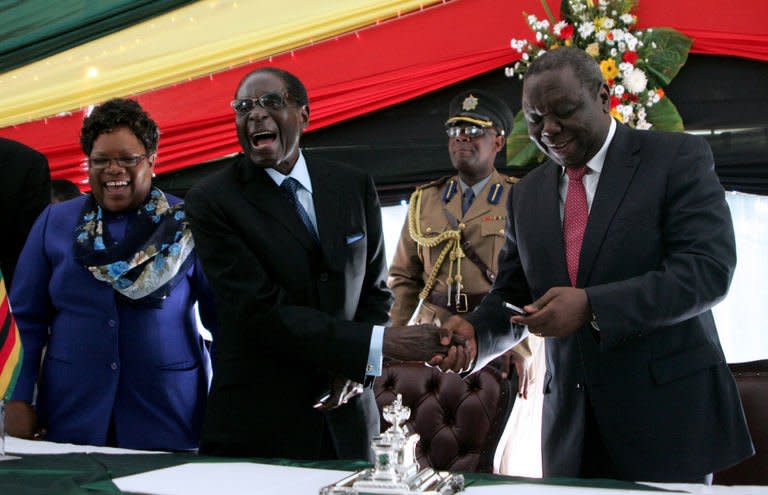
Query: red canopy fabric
[[377, 67]]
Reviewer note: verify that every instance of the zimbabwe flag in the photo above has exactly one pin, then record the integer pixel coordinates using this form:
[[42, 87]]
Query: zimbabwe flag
[[10, 346]]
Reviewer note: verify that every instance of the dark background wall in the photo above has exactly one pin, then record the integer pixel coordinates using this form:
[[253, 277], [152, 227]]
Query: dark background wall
[[404, 145]]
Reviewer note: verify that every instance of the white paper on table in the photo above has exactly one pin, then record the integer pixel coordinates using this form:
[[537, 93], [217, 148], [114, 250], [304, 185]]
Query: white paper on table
[[232, 478], [543, 489], [15, 445]]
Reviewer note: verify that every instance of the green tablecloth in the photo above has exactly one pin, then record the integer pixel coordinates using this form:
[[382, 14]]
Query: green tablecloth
[[75, 474]]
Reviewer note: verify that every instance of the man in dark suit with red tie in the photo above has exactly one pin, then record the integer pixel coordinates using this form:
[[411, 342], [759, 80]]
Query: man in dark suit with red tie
[[293, 249], [617, 248], [25, 182]]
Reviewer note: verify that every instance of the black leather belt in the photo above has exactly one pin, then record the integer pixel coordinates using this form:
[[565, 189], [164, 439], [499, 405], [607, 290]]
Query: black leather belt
[[465, 304]]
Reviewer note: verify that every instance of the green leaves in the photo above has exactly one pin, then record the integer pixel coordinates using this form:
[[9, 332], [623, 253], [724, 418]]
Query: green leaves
[[665, 117], [667, 51], [521, 151]]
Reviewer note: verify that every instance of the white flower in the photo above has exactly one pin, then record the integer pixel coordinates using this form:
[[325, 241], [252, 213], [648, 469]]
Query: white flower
[[625, 67], [539, 36], [614, 52], [600, 36], [642, 125], [586, 29], [618, 90], [608, 23], [627, 19], [618, 35], [526, 57], [622, 46], [626, 111], [532, 20], [559, 27], [631, 42], [509, 71], [635, 80]]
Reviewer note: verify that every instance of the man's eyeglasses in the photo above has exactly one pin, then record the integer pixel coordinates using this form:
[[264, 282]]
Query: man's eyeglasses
[[268, 101], [122, 161], [471, 131]]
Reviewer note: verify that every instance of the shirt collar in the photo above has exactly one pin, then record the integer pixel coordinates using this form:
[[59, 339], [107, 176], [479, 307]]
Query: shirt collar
[[478, 187], [596, 163], [299, 172]]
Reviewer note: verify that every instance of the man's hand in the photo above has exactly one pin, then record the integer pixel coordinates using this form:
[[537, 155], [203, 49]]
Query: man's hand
[[21, 420], [460, 357], [416, 343], [339, 393], [558, 313]]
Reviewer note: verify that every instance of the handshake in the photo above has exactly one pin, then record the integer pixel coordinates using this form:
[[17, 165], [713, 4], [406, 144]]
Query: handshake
[[451, 347]]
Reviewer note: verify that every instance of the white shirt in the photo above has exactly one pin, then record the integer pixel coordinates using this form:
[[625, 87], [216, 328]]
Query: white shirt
[[304, 193], [592, 177]]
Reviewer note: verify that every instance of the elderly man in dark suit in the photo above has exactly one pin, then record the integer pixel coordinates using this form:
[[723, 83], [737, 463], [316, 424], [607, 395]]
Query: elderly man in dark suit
[[624, 242], [25, 182], [293, 249]]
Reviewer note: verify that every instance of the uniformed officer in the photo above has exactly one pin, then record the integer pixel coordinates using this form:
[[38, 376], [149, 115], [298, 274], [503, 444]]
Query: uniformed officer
[[446, 258]]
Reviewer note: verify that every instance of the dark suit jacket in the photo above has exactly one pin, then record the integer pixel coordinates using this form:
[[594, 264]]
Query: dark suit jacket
[[290, 313], [25, 190], [658, 253]]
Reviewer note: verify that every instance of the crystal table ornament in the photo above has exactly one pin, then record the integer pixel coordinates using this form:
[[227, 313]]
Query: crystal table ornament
[[396, 470]]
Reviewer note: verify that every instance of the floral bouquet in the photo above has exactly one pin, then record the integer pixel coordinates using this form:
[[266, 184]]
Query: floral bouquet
[[635, 64]]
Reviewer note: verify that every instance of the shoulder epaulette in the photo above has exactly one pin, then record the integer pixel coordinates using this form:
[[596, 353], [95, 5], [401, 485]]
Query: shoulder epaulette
[[435, 183]]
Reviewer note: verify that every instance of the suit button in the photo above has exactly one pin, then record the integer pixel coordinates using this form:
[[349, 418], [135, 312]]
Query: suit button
[[113, 366], [579, 386], [111, 323], [462, 226], [429, 229], [323, 277]]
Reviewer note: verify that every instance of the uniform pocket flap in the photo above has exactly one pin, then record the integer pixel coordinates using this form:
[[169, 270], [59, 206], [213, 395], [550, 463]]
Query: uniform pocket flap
[[675, 366], [492, 226]]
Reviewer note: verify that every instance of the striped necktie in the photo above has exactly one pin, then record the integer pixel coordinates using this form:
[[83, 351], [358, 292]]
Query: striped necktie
[[290, 186]]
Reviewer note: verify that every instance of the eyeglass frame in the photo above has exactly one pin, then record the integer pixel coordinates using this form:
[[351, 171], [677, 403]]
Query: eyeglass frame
[[135, 159], [284, 97], [462, 129]]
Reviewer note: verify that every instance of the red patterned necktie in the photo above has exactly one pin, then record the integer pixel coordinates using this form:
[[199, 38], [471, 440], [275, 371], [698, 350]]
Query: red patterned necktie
[[575, 216]]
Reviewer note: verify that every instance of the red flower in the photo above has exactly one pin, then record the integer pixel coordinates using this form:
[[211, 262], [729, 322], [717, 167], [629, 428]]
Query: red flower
[[566, 33], [629, 57], [625, 96], [614, 102]]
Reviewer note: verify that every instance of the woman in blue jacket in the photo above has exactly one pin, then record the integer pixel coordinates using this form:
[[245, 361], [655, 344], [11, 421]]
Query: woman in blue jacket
[[107, 283]]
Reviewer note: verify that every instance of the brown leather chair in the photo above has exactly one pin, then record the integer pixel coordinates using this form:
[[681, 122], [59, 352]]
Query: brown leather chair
[[459, 420], [752, 380]]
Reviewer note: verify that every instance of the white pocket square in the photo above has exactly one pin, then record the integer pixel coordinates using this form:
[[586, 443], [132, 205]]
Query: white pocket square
[[354, 237]]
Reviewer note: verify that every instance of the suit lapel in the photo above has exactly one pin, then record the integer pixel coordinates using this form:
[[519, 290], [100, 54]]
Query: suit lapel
[[262, 192], [547, 225], [621, 162], [327, 194]]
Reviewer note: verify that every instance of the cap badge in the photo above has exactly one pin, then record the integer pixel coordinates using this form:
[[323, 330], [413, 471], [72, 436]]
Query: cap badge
[[469, 103]]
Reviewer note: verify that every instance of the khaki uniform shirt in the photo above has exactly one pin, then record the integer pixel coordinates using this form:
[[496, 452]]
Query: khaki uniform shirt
[[483, 226]]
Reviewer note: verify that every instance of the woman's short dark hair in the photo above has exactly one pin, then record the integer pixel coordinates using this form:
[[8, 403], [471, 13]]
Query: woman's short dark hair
[[585, 67], [119, 112]]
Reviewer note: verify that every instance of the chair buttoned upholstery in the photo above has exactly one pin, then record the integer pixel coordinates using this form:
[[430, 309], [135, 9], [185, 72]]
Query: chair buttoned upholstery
[[752, 380], [459, 420]]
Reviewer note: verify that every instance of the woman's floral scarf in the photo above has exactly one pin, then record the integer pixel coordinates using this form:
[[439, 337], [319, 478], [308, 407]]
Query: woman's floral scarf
[[152, 258]]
